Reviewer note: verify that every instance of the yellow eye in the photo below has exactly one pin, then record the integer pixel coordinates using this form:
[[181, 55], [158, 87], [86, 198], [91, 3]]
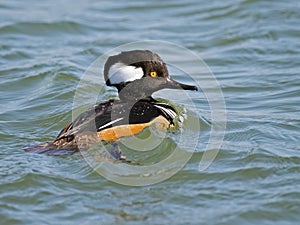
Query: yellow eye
[[153, 74]]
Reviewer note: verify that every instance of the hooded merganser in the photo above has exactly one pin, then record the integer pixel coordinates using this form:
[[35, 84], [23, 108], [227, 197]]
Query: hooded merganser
[[137, 75]]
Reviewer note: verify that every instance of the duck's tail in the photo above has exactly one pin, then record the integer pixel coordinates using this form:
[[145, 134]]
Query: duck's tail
[[51, 148], [60, 146]]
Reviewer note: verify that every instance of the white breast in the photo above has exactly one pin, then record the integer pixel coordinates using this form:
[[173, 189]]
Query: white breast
[[120, 72]]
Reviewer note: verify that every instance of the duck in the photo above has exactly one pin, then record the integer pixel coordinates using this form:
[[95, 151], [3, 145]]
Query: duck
[[136, 74]]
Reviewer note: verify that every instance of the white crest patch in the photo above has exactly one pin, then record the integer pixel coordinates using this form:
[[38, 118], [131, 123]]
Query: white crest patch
[[120, 72]]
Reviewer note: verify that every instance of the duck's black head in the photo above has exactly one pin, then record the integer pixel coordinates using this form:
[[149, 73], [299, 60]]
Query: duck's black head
[[138, 74]]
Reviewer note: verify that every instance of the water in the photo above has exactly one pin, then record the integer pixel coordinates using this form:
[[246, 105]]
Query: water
[[251, 46]]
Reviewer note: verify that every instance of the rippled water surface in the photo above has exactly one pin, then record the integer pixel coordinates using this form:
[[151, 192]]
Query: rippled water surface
[[251, 46]]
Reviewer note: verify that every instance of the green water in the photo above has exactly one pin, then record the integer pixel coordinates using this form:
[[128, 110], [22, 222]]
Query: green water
[[251, 46]]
